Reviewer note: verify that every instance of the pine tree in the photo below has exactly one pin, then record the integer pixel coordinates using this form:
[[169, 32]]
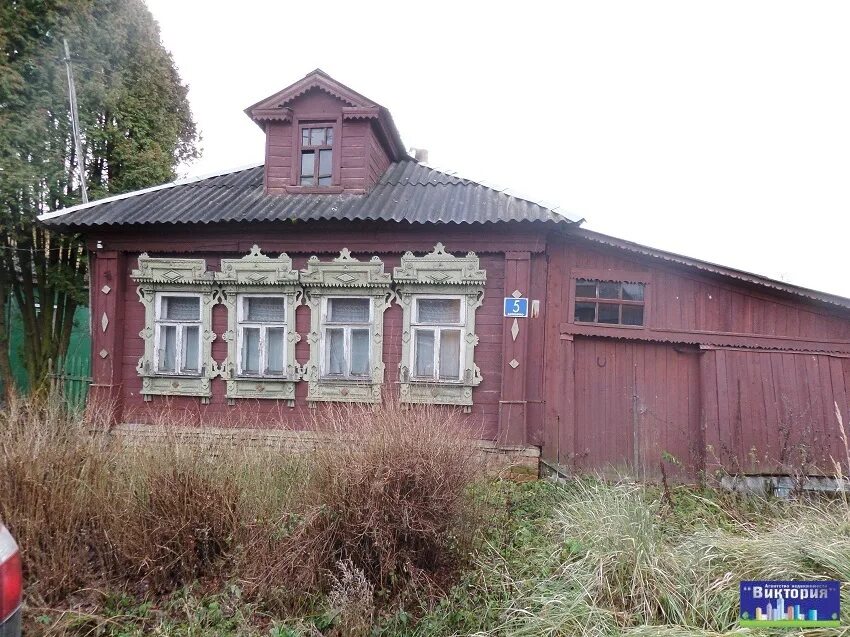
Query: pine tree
[[136, 126]]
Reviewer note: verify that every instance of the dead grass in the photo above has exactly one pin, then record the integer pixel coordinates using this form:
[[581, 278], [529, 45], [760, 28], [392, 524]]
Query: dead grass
[[388, 498]]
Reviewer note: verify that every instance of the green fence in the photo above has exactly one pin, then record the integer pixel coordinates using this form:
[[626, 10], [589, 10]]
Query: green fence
[[73, 375]]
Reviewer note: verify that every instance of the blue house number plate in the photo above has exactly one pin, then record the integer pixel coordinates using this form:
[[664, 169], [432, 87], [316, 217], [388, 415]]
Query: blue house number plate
[[516, 308]]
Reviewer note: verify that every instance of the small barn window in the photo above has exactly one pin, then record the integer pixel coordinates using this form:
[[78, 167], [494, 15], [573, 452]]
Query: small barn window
[[347, 324], [178, 334], [609, 302], [262, 335], [438, 331], [317, 156]]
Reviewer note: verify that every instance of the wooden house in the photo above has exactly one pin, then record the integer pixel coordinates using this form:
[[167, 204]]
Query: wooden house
[[343, 270]]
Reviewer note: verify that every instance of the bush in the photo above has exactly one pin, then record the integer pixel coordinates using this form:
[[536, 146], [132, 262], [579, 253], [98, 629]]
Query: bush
[[388, 495]]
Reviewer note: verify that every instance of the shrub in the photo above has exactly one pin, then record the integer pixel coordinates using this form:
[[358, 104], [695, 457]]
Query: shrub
[[387, 495]]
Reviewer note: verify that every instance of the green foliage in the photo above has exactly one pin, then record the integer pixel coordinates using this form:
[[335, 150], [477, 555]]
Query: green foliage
[[136, 127]]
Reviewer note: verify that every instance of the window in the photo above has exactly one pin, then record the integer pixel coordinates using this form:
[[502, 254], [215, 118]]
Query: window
[[346, 328], [439, 294], [178, 334], [347, 299], [317, 156], [609, 302], [437, 336], [261, 335]]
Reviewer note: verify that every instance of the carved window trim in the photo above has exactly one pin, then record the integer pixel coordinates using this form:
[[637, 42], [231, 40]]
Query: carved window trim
[[260, 275], [437, 274], [345, 276], [160, 276]]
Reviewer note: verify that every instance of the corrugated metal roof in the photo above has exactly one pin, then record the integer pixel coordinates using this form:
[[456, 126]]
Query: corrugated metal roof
[[712, 268], [407, 191]]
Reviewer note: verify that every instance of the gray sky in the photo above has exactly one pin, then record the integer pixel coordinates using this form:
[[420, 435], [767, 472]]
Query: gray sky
[[720, 130]]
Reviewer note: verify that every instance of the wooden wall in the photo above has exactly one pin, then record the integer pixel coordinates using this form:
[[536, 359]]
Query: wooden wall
[[121, 383], [725, 375]]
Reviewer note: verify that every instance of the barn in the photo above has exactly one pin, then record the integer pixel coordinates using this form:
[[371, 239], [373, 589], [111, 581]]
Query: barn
[[344, 270]]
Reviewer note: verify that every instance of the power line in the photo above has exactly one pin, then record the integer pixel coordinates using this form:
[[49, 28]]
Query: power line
[[75, 123]]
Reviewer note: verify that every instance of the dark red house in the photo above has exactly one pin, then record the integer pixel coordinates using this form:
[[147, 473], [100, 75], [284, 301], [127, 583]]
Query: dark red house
[[343, 270]]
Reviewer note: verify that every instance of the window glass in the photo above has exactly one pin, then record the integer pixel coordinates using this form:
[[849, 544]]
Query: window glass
[[438, 310], [450, 354], [329, 136], [325, 163], [268, 309], [274, 350], [307, 159], [335, 342], [633, 291], [325, 181], [424, 353], [585, 312], [342, 310], [632, 315], [609, 290], [305, 136], [317, 137], [251, 350], [181, 308], [359, 352], [609, 313], [191, 343], [586, 289], [168, 348]]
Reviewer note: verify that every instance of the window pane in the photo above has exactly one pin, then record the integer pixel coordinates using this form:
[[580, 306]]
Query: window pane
[[181, 308], [325, 181], [274, 350], [251, 350], [307, 159], [609, 290], [330, 136], [585, 312], [335, 342], [359, 352], [632, 315], [317, 137], [586, 289], [438, 310], [450, 354], [191, 342], [305, 136], [348, 310], [265, 309], [609, 313], [325, 163], [633, 291], [168, 348], [423, 364]]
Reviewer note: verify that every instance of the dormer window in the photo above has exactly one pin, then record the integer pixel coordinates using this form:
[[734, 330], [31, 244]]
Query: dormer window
[[316, 155]]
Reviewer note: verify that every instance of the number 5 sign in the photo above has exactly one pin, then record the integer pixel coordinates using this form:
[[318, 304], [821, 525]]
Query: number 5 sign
[[516, 308]]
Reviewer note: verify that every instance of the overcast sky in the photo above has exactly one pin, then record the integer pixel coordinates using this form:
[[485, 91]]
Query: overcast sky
[[720, 130]]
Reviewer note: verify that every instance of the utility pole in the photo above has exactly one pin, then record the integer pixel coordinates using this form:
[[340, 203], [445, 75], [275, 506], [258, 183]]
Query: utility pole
[[75, 123]]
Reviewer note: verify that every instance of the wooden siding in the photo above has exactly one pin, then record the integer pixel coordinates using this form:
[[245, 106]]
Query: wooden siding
[[489, 324], [724, 376]]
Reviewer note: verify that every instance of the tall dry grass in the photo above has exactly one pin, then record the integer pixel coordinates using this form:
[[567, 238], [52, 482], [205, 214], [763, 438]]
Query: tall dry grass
[[387, 495], [390, 498], [632, 568]]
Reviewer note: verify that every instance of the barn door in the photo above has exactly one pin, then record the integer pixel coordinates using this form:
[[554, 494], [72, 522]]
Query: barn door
[[636, 406]]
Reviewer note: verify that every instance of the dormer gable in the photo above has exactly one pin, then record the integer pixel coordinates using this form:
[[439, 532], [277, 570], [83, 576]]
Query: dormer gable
[[323, 137]]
